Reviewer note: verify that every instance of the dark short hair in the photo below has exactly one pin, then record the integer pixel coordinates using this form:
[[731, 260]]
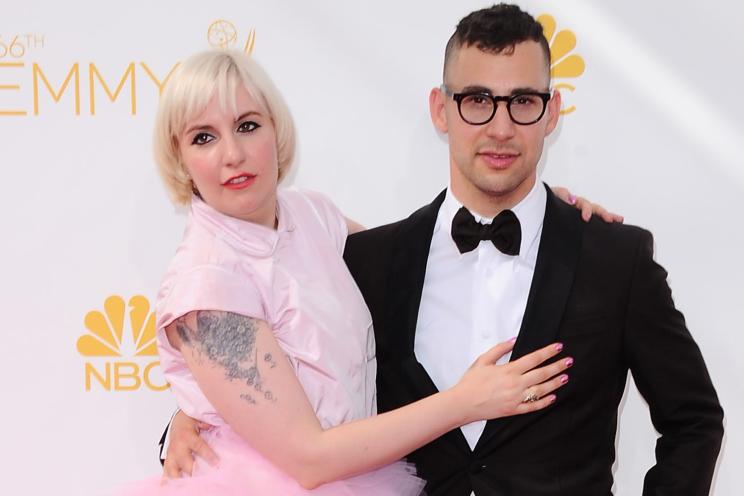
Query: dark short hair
[[496, 29]]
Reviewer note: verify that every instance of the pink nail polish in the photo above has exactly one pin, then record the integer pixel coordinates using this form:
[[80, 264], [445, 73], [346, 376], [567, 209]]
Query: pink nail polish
[[551, 398], [559, 346], [572, 199], [513, 339], [564, 379], [569, 362]]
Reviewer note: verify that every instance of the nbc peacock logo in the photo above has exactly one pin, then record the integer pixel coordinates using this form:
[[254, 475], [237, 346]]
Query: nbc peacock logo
[[120, 346], [565, 64]]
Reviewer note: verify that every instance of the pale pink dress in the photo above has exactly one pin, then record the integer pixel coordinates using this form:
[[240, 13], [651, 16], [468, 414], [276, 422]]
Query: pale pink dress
[[295, 279]]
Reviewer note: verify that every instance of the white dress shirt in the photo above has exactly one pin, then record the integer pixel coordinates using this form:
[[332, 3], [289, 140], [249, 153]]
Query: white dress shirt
[[474, 300]]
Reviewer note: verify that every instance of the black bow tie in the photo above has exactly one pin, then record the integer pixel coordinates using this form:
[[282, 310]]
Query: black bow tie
[[504, 232]]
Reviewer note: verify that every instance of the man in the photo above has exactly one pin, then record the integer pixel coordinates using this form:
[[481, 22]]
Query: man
[[440, 294]]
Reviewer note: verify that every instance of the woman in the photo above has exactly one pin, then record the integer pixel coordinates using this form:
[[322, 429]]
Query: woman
[[261, 329]]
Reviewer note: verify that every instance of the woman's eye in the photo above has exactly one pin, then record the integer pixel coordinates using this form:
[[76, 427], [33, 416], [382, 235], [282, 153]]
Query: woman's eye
[[247, 127], [201, 139]]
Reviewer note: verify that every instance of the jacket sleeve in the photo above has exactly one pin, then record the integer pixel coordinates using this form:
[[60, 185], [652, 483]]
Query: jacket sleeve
[[670, 373]]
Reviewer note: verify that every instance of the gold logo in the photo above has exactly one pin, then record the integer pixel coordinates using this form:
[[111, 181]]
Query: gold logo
[[565, 64], [223, 34], [12, 49], [107, 328], [15, 46], [32, 87], [106, 337]]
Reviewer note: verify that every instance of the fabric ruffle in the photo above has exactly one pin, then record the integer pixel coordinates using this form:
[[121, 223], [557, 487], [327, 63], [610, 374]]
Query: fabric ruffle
[[243, 472]]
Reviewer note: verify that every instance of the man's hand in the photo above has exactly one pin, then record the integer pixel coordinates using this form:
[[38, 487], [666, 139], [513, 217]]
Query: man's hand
[[587, 208], [185, 442]]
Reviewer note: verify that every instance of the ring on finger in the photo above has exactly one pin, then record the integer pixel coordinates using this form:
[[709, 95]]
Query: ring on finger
[[530, 397]]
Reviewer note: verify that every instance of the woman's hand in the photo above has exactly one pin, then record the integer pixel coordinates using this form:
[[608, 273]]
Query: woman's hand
[[513, 388], [238, 364], [587, 208], [185, 443]]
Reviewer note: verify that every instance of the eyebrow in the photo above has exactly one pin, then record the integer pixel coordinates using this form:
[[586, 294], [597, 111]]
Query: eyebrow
[[514, 91], [246, 114], [199, 127]]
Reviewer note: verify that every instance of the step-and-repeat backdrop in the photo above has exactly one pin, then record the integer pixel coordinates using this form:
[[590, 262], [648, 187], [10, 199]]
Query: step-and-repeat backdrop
[[651, 128]]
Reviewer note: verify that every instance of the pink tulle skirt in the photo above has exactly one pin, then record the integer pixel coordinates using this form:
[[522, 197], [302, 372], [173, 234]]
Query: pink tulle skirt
[[244, 472]]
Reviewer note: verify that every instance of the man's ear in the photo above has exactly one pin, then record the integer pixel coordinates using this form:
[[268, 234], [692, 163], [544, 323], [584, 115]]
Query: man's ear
[[436, 109], [553, 111]]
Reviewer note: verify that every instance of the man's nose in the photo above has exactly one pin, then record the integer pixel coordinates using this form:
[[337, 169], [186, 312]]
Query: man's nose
[[501, 126]]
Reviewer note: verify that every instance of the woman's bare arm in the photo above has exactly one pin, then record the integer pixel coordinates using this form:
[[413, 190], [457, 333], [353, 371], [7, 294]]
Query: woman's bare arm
[[244, 373]]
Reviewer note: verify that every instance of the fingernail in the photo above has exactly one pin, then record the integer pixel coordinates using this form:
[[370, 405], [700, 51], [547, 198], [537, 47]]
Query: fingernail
[[559, 346], [569, 362], [572, 199], [551, 398], [564, 379], [513, 339]]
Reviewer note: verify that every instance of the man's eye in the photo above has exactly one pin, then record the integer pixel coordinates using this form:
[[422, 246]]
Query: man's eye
[[247, 126], [480, 99], [523, 100], [201, 139]]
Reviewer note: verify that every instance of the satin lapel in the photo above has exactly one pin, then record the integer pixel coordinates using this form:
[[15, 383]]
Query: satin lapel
[[405, 286], [560, 244], [407, 271]]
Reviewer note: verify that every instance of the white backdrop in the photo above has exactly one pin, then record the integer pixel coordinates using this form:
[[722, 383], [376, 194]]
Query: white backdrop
[[654, 133]]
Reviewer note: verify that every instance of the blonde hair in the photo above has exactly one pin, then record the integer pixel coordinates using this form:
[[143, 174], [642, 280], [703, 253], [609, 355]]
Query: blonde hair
[[187, 94]]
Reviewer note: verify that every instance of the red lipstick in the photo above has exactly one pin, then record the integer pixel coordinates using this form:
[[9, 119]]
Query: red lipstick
[[240, 181]]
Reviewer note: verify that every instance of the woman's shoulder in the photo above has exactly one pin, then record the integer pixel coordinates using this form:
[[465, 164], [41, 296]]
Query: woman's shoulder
[[302, 197], [205, 273], [208, 287], [314, 211]]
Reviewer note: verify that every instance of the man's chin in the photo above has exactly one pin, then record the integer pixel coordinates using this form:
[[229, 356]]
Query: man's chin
[[505, 190]]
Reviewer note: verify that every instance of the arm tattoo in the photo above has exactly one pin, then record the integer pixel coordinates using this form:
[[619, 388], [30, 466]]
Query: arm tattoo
[[270, 360], [229, 340]]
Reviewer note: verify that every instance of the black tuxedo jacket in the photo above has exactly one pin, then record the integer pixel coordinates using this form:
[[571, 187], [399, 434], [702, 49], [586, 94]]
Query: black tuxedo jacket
[[597, 289]]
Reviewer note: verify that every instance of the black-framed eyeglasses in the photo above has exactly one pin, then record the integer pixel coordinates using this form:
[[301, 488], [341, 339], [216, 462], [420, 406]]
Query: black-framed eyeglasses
[[479, 107]]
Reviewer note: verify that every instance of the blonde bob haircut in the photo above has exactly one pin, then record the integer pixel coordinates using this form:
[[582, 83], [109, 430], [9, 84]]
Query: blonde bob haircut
[[190, 89]]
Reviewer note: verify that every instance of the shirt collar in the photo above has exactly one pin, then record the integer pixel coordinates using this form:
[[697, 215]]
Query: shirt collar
[[254, 239], [530, 211]]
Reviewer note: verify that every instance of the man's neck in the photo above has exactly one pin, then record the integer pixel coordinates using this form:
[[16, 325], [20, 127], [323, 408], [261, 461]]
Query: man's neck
[[488, 204]]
